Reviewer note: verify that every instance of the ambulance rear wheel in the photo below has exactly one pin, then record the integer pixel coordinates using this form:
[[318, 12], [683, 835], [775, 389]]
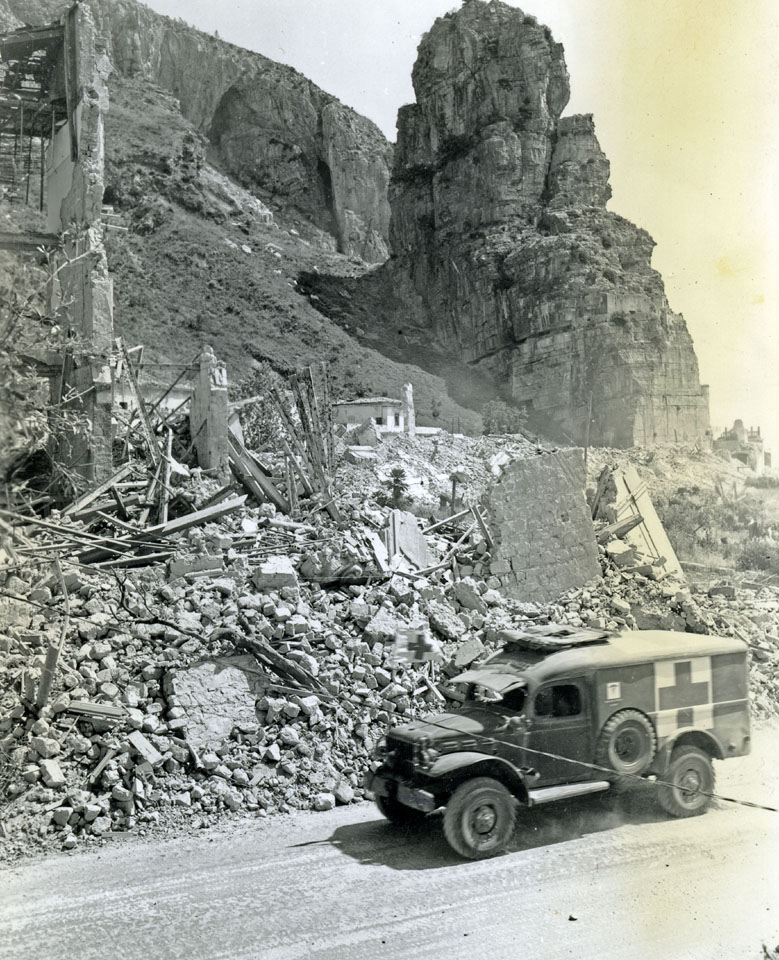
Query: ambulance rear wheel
[[627, 745], [686, 783]]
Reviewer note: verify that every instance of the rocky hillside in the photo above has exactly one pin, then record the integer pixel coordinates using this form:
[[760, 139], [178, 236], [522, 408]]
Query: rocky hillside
[[277, 133], [500, 231]]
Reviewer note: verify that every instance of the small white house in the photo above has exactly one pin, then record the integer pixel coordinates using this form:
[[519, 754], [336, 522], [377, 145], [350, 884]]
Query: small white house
[[387, 413]]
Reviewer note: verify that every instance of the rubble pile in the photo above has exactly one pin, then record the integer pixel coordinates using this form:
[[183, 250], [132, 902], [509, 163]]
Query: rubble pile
[[253, 669]]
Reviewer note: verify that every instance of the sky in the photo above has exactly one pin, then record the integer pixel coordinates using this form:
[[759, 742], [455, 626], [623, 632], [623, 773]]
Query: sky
[[685, 95]]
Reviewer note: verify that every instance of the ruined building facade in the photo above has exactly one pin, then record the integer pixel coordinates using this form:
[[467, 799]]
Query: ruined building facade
[[53, 101], [499, 226]]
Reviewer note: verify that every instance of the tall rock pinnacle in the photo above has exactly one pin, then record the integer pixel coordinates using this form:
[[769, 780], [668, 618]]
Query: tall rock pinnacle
[[499, 224]]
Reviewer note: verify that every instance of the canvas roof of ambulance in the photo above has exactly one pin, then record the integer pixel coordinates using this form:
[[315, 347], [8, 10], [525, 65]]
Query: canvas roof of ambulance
[[609, 650]]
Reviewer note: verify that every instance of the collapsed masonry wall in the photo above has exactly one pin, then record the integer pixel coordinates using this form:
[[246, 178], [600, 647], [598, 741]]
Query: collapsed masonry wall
[[544, 537]]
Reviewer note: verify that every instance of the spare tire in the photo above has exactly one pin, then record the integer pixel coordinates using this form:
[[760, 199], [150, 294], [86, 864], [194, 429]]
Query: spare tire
[[627, 743]]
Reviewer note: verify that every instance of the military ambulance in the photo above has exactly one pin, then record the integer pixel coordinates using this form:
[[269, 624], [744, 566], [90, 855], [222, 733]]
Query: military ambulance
[[558, 712]]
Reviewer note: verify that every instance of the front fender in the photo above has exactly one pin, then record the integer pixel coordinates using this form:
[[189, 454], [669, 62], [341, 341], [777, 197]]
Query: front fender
[[453, 768], [454, 761]]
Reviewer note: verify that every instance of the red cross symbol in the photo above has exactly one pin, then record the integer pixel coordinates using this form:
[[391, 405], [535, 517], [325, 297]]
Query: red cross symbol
[[415, 644], [419, 645], [684, 693]]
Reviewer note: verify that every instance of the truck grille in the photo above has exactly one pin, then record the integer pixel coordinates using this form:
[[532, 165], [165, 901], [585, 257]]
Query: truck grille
[[402, 756]]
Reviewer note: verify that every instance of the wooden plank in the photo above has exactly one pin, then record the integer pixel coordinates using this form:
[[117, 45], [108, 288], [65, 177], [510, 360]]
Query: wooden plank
[[106, 711], [108, 756], [120, 503], [306, 483], [318, 426], [649, 536], [27, 240], [327, 412], [313, 444], [142, 746], [91, 495], [250, 474], [165, 485], [483, 527], [300, 456], [146, 427], [442, 523], [150, 491], [141, 560], [72, 91], [619, 529]]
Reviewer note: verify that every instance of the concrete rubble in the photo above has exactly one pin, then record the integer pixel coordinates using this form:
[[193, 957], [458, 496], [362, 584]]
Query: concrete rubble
[[251, 671]]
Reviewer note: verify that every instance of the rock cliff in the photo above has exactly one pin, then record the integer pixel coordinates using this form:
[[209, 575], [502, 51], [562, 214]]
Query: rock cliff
[[270, 128], [499, 226]]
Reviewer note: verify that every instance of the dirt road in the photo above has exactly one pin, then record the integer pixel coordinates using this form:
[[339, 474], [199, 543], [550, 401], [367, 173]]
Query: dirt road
[[593, 880]]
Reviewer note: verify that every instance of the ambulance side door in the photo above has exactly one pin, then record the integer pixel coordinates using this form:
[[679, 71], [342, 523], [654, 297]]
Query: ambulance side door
[[560, 723]]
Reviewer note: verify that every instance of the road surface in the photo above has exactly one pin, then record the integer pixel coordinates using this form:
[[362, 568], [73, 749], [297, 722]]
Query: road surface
[[592, 880]]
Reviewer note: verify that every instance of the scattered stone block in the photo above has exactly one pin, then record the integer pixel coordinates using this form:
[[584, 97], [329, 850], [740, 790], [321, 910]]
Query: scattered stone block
[[45, 746], [52, 774], [275, 573], [468, 651], [215, 697], [621, 553], [343, 792], [621, 607], [467, 594], [101, 826], [62, 815], [181, 566], [445, 621], [382, 627], [324, 801], [289, 736]]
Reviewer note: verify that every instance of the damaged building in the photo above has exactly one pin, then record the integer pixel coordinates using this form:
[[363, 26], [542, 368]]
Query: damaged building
[[53, 97]]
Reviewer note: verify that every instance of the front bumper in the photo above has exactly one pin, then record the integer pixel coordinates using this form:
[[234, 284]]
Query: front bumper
[[382, 784]]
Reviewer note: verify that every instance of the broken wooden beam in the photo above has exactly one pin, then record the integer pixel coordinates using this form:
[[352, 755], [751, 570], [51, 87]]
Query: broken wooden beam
[[249, 473], [142, 746], [619, 529], [91, 495], [101, 711]]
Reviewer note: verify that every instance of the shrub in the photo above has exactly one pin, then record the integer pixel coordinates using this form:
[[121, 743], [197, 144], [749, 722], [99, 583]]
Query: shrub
[[759, 555], [395, 492], [765, 482]]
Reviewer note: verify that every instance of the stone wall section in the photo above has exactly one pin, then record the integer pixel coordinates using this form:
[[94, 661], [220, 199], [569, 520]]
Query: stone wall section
[[544, 537]]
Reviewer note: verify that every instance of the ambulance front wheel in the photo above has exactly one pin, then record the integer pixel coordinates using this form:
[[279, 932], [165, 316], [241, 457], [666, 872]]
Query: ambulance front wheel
[[479, 818], [627, 744], [685, 785]]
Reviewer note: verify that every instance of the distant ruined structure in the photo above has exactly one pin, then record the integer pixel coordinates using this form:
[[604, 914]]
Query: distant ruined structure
[[499, 227], [744, 445]]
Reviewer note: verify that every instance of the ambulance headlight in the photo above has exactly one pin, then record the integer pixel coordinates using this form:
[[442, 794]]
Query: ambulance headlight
[[427, 755]]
